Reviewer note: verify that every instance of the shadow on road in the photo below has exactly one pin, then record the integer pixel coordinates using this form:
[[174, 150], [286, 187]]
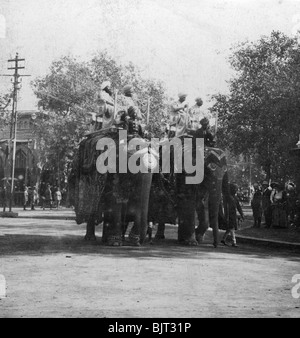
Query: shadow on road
[[39, 245]]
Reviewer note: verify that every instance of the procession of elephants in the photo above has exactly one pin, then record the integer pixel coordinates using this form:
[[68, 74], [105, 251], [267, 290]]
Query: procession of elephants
[[117, 198]]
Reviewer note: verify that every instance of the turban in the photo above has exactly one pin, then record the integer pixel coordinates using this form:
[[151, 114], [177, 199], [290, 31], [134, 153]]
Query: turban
[[128, 89], [105, 84], [182, 94]]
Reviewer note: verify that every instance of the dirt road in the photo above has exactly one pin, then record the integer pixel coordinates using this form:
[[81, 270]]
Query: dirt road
[[51, 272]]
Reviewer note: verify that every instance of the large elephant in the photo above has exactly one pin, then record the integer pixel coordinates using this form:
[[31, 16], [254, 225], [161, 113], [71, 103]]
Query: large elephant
[[177, 200], [111, 197]]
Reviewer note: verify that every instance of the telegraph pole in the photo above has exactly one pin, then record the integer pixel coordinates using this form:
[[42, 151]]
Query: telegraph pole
[[13, 127]]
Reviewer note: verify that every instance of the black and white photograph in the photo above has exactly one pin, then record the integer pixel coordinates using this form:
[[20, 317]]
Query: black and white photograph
[[150, 161]]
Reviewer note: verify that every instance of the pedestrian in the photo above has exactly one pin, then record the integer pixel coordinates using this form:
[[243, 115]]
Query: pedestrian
[[266, 203], [256, 205], [279, 206], [25, 198], [34, 198], [291, 202], [231, 209], [48, 197], [58, 198], [3, 196]]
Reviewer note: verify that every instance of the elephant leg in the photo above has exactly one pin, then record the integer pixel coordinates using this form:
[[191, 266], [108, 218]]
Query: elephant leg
[[90, 229], [186, 226], [115, 232], [138, 232], [203, 219], [160, 232], [124, 229], [213, 207]]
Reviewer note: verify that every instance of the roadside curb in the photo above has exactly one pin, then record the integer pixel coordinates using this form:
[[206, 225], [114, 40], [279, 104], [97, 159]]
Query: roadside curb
[[267, 242]]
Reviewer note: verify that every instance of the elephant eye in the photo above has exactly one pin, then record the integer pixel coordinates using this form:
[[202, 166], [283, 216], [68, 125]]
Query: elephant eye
[[212, 166]]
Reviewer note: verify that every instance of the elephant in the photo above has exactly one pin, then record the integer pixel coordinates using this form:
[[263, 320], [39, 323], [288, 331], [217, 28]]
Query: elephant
[[111, 197], [181, 201]]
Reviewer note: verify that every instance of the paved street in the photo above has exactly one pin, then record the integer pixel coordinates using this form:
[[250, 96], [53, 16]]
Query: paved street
[[51, 271]]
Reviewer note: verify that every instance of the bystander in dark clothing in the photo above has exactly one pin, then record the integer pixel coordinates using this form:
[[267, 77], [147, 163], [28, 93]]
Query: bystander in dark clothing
[[279, 206], [26, 198], [291, 202], [266, 203], [232, 219], [256, 205], [48, 197], [3, 196], [34, 198]]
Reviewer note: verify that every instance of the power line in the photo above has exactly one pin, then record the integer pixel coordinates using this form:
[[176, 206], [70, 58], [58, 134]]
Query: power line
[[13, 128]]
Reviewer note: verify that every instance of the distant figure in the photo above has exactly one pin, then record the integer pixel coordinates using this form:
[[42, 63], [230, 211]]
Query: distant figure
[[34, 198], [3, 195], [25, 198], [256, 205], [48, 197], [279, 206], [291, 202], [232, 222], [266, 203], [58, 198]]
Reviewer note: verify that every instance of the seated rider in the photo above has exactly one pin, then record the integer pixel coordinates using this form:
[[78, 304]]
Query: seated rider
[[204, 132], [105, 114], [131, 116]]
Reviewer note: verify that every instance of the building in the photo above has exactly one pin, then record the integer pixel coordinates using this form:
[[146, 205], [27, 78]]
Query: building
[[27, 171]]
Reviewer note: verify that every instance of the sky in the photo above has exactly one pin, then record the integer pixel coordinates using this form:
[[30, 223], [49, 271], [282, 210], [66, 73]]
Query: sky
[[184, 43]]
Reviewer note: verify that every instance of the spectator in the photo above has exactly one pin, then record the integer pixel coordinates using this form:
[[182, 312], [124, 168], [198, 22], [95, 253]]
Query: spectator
[[3, 195], [34, 198], [279, 206], [266, 203], [26, 197], [291, 202], [48, 197], [58, 198], [256, 205], [231, 217]]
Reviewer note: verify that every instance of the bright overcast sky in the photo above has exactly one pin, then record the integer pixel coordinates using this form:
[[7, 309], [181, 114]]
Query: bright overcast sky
[[182, 42]]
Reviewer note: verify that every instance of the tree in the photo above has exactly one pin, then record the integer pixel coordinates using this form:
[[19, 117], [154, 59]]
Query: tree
[[67, 94], [260, 115]]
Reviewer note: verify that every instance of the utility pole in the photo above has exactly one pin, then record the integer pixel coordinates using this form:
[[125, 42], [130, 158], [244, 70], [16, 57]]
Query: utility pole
[[13, 127]]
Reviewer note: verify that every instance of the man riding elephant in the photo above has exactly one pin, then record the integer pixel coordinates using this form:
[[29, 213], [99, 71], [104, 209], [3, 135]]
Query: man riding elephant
[[203, 197], [105, 187]]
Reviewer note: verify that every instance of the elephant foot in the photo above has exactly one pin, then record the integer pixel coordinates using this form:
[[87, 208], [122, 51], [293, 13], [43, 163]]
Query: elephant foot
[[189, 242], [200, 238], [159, 237], [114, 241], [89, 237], [134, 240]]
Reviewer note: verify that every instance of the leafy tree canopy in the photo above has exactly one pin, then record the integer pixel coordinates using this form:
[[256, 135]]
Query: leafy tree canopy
[[260, 115], [68, 93]]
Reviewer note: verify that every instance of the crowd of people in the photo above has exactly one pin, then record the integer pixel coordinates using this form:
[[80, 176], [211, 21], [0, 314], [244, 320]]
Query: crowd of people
[[47, 197], [276, 202]]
